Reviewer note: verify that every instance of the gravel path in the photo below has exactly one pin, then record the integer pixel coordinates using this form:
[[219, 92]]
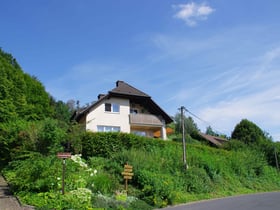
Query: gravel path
[[7, 200]]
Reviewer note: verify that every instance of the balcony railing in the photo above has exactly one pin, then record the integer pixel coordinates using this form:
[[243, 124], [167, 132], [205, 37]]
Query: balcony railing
[[145, 119]]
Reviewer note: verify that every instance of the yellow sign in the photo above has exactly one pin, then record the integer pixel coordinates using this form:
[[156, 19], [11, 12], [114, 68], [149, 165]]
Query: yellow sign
[[127, 174], [128, 166]]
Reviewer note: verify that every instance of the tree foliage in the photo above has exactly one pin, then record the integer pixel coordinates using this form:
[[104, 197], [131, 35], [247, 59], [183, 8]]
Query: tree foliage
[[190, 125], [209, 131], [21, 96], [30, 119], [248, 132], [251, 135]]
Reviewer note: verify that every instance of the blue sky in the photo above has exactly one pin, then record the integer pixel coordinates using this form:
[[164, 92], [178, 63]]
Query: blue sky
[[220, 59]]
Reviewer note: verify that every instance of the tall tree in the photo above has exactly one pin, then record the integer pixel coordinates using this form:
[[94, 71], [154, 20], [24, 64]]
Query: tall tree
[[248, 132], [62, 111], [209, 131], [38, 100], [190, 125], [21, 96]]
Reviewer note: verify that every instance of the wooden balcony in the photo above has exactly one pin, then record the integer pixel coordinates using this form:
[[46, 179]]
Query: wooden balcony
[[145, 120]]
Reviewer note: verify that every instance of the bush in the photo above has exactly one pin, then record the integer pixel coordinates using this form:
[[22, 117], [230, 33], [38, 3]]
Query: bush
[[36, 174], [110, 143], [139, 205], [198, 181], [247, 163], [156, 188], [104, 183]]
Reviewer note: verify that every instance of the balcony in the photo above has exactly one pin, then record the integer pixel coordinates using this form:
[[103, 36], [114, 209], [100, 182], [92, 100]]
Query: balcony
[[145, 120]]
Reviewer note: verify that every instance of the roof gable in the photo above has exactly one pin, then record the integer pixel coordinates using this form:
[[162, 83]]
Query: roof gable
[[123, 88]]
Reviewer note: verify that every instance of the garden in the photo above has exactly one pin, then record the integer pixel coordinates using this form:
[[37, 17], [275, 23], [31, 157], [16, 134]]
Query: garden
[[94, 180]]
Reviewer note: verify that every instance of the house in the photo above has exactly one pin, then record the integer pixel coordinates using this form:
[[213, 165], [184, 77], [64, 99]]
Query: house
[[125, 109], [213, 140]]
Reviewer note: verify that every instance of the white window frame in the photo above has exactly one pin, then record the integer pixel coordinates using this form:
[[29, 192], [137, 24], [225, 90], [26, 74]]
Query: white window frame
[[139, 133], [115, 108], [105, 128]]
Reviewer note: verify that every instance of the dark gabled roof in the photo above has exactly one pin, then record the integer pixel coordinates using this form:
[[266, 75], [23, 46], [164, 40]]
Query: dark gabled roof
[[124, 90], [218, 141]]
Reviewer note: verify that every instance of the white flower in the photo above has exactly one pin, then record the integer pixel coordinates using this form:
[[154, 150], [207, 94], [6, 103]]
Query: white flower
[[77, 159]]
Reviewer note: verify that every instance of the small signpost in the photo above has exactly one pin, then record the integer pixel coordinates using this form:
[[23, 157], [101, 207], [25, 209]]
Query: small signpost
[[63, 155], [127, 174]]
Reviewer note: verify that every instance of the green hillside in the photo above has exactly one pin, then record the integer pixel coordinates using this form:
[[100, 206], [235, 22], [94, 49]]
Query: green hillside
[[28, 114], [159, 178], [21, 95]]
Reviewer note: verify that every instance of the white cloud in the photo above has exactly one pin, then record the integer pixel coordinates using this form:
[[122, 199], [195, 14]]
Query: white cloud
[[251, 92], [192, 12], [261, 108], [227, 84]]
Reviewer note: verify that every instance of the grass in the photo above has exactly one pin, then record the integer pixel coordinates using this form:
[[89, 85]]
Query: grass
[[159, 177]]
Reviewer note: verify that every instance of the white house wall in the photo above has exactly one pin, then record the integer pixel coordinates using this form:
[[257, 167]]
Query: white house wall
[[98, 116]]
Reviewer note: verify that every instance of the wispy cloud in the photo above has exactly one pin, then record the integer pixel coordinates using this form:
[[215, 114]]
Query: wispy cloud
[[222, 83], [192, 12], [251, 92], [260, 107]]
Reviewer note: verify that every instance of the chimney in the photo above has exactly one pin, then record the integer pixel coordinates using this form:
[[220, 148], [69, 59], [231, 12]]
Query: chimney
[[118, 83], [100, 96]]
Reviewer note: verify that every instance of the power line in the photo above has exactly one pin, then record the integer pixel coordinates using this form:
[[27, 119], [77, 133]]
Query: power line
[[197, 117], [202, 120]]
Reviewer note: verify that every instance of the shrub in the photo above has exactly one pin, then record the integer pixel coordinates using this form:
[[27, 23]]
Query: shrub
[[139, 205], [109, 202], [110, 143], [36, 174], [156, 187], [247, 163], [198, 181], [103, 183]]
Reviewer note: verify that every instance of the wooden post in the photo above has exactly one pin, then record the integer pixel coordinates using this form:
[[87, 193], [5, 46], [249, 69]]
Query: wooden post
[[127, 174], [183, 137], [276, 158], [63, 175], [126, 183], [63, 156]]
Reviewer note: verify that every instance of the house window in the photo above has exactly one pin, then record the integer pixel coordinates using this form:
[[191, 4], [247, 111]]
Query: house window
[[116, 107], [112, 107], [139, 133], [102, 128], [107, 107]]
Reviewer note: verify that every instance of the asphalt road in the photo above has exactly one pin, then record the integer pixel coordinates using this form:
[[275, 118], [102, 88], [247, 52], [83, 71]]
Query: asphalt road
[[261, 201]]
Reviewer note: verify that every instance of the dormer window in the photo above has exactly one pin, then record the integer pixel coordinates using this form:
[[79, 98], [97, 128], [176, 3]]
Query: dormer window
[[115, 108]]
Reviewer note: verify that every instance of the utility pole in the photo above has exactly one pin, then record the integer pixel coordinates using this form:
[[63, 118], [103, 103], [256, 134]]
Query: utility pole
[[276, 158], [183, 137]]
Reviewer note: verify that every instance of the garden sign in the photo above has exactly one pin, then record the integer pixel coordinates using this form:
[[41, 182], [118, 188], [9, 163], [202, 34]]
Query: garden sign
[[63, 155], [127, 174]]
